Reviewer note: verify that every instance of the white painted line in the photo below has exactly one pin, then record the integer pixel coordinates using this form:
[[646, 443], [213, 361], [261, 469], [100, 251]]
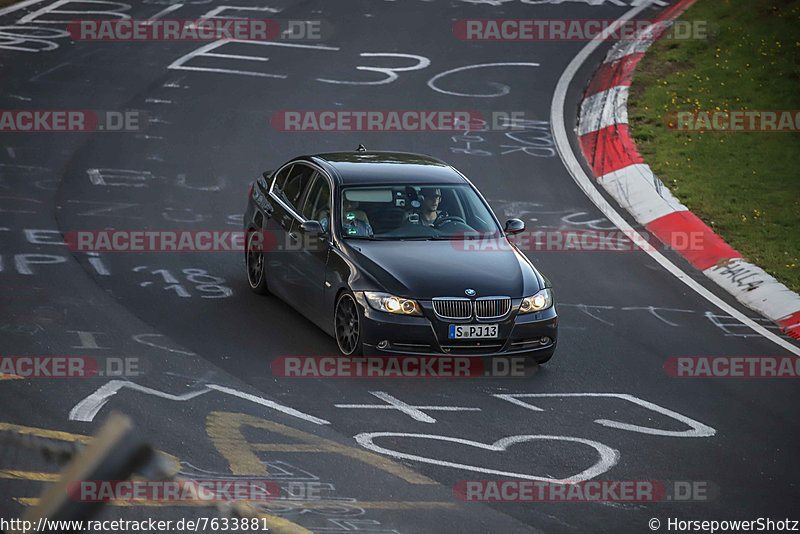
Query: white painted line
[[215, 13], [608, 456], [575, 169], [415, 412], [604, 109], [391, 73], [54, 9], [16, 7], [697, 430], [269, 404], [230, 71], [179, 64], [234, 56], [504, 91], [87, 409]]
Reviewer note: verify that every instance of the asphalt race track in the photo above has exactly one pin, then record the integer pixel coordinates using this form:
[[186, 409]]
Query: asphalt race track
[[194, 326]]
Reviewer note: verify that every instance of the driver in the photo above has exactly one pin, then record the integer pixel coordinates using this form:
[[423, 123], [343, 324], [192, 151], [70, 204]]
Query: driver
[[429, 211]]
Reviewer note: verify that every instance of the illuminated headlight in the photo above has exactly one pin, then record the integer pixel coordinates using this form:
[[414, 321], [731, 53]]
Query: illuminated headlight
[[389, 303], [538, 302]]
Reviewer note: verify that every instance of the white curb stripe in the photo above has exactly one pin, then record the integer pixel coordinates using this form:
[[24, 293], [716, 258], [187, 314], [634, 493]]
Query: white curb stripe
[[604, 109], [627, 48], [770, 297], [641, 193]]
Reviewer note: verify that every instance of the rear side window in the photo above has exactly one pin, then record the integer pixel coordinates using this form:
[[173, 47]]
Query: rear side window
[[296, 183], [279, 180]]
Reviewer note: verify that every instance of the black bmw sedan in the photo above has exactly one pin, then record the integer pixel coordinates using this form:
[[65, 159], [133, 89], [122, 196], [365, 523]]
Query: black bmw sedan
[[396, 254]]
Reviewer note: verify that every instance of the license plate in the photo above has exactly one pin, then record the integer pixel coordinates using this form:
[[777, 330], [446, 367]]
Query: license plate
[[472, 331]]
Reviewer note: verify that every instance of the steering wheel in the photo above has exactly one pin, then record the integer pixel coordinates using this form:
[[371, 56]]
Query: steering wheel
[[448, 219]]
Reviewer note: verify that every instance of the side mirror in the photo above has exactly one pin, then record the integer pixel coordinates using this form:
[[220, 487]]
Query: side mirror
[[514, 226], [312, 227], [267, 174]]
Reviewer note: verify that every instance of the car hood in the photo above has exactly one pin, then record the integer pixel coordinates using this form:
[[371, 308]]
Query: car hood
[[426, 269]]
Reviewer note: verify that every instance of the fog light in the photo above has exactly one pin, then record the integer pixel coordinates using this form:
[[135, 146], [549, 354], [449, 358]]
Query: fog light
[[544, 341], [383, 344]]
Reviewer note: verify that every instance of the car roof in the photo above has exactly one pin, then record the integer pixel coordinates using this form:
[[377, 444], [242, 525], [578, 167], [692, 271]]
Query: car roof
[[378, 167]]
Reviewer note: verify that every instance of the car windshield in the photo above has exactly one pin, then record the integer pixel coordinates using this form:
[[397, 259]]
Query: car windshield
[[404, 212]]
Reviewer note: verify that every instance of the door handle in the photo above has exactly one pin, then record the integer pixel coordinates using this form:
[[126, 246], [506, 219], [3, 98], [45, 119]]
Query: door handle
[[293, 236]]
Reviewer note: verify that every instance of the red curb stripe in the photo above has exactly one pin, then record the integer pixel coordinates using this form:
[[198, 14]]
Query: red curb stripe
[[610, 149], [618, 72], [705, 248], [790, 325]]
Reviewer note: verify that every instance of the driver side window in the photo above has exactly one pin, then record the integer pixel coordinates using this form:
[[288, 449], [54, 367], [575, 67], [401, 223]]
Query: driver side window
[[318, 201]]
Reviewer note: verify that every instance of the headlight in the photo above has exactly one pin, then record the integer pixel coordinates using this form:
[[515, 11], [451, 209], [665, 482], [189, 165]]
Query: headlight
[[391, 304], [538, 302]]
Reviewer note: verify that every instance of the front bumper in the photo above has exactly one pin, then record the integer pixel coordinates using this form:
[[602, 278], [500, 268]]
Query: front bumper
[[534, 334]]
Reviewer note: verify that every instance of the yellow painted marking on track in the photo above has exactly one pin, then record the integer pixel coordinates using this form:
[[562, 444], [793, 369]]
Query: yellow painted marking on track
[[276, 524], [286, 447], [225, 431], [66, 436], [45, 433], [28, 475], [7, 376]]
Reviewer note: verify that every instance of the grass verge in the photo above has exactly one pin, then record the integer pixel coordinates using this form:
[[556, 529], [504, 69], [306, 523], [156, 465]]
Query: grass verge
[[746, 186]]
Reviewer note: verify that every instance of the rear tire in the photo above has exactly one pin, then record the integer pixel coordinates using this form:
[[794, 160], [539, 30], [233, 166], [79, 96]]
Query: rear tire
[[254, 264], [347, 325]]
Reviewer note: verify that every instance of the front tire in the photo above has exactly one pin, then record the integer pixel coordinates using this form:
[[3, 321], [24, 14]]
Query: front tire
[[254, 263], [347, 325]]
